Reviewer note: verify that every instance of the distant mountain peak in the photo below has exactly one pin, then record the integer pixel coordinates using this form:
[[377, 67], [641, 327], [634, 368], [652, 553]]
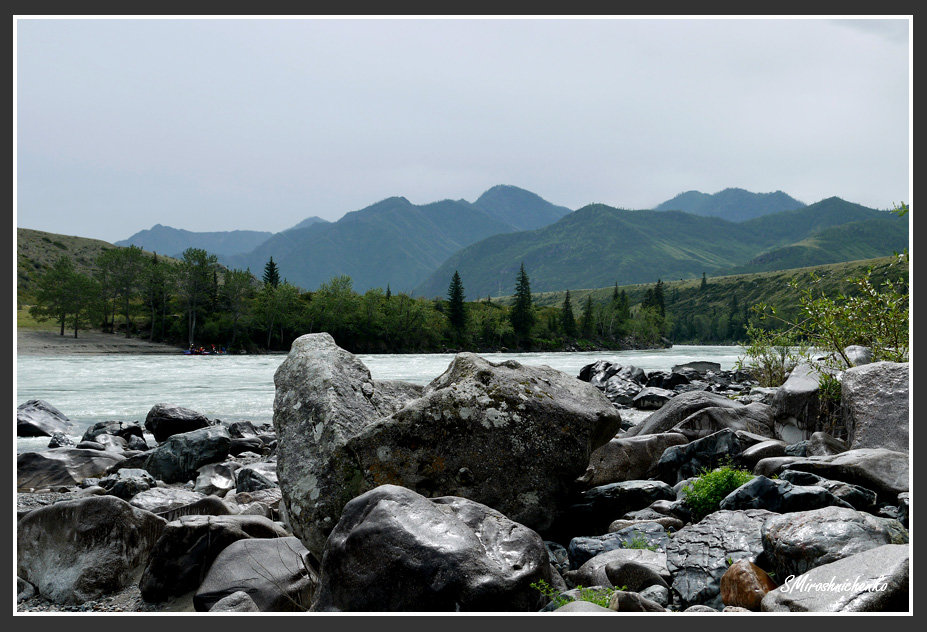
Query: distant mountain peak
[[733, 203]]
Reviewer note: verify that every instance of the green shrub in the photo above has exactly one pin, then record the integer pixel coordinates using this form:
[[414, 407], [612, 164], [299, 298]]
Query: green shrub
[[639, 541], [598, 596], [704, 495]]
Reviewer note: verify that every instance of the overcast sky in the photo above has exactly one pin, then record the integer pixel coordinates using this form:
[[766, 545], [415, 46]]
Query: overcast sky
[[257, 124]]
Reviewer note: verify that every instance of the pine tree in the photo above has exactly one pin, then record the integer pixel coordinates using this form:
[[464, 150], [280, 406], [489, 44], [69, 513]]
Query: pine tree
[[388, 293], [567, 322], [658, 301], [704, 283], [588, 317], [271, 274], [522, 315], [456, 309], [615, 292]]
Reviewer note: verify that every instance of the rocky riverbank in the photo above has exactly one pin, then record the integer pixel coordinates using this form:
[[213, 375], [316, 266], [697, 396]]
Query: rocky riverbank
[[496, 487]]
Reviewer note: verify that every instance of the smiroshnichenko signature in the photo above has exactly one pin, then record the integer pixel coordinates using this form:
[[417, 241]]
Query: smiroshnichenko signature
[[803, 584]]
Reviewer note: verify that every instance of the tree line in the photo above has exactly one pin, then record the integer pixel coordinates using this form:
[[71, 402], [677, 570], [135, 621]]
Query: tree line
[[195, 302]]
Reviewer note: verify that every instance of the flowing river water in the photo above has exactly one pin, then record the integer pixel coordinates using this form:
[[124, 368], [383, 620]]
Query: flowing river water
[[90, 388]]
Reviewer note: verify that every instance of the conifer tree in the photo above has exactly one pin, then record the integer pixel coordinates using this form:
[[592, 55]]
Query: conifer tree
[[456, 309], [588, 318], [271, 274], [567, 322], [388, 293], [704, 283], [522, 315]]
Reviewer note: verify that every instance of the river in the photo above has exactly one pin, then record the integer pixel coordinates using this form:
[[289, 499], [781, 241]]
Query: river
[[90, 388]]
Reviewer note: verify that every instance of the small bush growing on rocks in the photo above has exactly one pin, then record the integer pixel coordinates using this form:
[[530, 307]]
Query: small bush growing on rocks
[[704, 495], [600, 597]]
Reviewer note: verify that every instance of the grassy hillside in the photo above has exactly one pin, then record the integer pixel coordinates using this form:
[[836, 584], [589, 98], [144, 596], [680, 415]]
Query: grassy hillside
[[599, 245], [37, 250]]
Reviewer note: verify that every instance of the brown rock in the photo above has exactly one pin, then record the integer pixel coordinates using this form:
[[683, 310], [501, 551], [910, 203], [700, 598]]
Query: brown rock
[[744, 585]]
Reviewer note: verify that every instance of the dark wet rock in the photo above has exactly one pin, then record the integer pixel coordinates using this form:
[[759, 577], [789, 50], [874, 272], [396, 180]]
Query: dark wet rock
[[859, 498], [593, 572], [60, 440], [61, 467], [599, 506], [77, 550], [877, 580], [823, 444], [874, 400], [122, 429], [666, 379], [165, 420], [625, 601], [698, 555], [239, 446], [904, 508], [628, 458], [187, 547], [158, 500], [635, 577], [689, 460], [649, 535], [395, 550], [559, 557], [795, 543], [206, 506], [652, 398], [744, 584], [256, 476], [238, 601], [127, 483], [780, 496], [90, 445], [678, 409], [883, 471], [277, 574], [38, 418], [178, 458], [216, 479], [699, 366], [505, 435], [763, 450], [797, 449], [753, 418]]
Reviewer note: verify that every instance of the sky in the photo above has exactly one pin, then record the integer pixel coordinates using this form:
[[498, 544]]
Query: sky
[[256, 124]]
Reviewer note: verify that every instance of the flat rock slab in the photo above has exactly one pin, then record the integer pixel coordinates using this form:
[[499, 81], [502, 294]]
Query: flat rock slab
[[875, 580], [698, 555], [62, 467]]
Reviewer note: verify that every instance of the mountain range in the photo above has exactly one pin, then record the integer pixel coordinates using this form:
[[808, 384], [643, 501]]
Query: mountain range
[[598, 246], [417, 247]]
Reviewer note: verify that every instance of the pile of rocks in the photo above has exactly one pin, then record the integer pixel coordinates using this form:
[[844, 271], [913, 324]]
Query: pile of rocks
[[496, 487]]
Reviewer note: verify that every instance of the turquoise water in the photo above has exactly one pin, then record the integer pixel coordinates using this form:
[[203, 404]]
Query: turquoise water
[[91, 388]]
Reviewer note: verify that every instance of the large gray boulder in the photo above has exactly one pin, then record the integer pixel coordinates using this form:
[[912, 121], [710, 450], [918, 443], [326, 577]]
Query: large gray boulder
[[678, 409], [698, 555], [505, 435], [797, 542], [163, 499], [875, 580], [181, 455], [395, 550], [755, 418], [874, 398], [187, 547], [38, 418], [796, 404], [628, 458], [164, 420], [61, 467], [883, 471], [276, 573], [76, 550]]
